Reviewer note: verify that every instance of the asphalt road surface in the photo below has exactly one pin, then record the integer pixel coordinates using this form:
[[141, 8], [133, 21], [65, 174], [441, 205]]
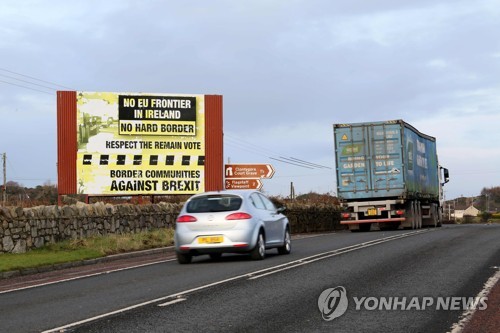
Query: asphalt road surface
[[411, 281]]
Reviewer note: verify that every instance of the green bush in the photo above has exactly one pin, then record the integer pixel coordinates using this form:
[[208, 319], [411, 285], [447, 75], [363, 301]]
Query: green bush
[[485, 216]]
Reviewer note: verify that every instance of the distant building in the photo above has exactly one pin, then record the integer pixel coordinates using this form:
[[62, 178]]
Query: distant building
[[461, 213], [458, 214], [471, 211]]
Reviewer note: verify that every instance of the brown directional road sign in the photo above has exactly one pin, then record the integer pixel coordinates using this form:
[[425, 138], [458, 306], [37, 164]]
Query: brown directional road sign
[[243, 184], [247, 171]]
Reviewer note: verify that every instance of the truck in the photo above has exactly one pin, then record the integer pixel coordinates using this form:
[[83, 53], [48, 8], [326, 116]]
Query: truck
[[388, 176]]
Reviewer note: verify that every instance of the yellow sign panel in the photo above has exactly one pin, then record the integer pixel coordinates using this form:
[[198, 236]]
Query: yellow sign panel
[[140, 143]]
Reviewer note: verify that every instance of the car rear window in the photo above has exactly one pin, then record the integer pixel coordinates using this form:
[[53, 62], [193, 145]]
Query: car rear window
[[214, 203]]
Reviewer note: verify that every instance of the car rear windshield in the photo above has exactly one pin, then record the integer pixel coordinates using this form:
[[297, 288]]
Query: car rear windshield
[[214, 203]]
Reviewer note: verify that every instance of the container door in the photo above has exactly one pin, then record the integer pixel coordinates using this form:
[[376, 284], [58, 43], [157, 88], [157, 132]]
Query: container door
[[369, 160], [352, 151], [386, 159]]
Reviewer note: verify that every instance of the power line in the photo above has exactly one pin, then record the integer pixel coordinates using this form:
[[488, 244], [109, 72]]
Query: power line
[[259, 150], [26, 81], [250, 145], [29, 82], [34, 78], [307, 163], [260, 153], [272, 158], [249, 149], [280, 160], [19, 85]]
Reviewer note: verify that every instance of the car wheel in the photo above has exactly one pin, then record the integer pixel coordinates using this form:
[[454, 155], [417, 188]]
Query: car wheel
[[287, 245], [184, 258], [259, 251]]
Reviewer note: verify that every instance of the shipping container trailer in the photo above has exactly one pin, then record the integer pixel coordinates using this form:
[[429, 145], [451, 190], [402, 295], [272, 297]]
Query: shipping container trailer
[[388, 174]]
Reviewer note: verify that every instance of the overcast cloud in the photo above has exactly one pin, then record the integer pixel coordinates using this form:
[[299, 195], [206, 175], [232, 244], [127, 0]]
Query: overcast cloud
[[288, 70]]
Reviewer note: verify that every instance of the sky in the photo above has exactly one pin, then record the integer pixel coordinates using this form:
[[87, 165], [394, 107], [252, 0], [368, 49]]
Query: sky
[[287, 70]]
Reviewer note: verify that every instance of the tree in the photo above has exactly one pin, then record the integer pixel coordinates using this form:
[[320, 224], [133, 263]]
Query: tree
[[489, 200], [18, 195]]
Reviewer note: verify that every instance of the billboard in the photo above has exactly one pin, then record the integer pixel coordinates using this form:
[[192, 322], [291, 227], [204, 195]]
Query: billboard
[[140, 143]]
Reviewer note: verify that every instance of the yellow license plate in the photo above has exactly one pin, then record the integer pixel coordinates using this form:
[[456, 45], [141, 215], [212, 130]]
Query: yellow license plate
[[210, 239], [371, 212]]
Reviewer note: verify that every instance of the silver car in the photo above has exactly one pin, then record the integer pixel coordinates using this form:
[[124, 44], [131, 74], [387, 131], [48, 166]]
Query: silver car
[[230, 222]]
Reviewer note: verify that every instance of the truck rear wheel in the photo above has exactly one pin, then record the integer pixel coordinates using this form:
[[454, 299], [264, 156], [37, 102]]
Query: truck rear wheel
[[434, 216], [354, 227], [418, 209], [440, 217], [412, 216]]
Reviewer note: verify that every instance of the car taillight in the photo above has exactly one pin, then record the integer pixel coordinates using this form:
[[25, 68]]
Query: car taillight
[[400, 212], [239, 216], [186, 218]]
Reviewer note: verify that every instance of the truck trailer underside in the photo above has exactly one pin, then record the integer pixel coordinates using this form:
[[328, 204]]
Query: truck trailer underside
[[391, 214]]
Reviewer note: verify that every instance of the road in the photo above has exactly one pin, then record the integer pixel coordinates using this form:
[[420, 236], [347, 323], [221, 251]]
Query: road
[[279, 293]]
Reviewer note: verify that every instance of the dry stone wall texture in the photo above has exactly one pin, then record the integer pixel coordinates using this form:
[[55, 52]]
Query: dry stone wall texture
[[23, 229]]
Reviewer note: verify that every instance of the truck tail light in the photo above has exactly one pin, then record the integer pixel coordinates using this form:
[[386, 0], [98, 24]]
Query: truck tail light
[[239, 216], [400, 212], [346, 216], [186, 218]]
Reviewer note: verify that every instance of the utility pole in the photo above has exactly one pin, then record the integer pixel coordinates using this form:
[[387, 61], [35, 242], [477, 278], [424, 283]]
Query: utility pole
[[4, 189]]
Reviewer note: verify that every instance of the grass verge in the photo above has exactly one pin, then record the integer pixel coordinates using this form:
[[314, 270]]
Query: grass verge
[[88, 248]]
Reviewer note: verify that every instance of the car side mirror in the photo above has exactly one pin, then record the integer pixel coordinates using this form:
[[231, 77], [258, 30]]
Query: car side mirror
[[281, 209]]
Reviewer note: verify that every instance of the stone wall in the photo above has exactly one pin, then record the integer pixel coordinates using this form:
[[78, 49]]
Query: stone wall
[[22, 229], [313, 218]]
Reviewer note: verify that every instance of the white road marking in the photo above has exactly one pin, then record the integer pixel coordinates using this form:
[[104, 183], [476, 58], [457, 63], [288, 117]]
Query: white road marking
[[177, 297], [325, 255], [172, 302], [467, 314], [84, 276], [161, 299]]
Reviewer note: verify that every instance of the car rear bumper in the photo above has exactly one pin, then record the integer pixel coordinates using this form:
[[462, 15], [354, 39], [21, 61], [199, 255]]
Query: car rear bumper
[[234, 241]]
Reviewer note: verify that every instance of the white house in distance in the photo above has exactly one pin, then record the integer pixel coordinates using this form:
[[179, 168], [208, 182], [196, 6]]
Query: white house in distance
[[471, 211]]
